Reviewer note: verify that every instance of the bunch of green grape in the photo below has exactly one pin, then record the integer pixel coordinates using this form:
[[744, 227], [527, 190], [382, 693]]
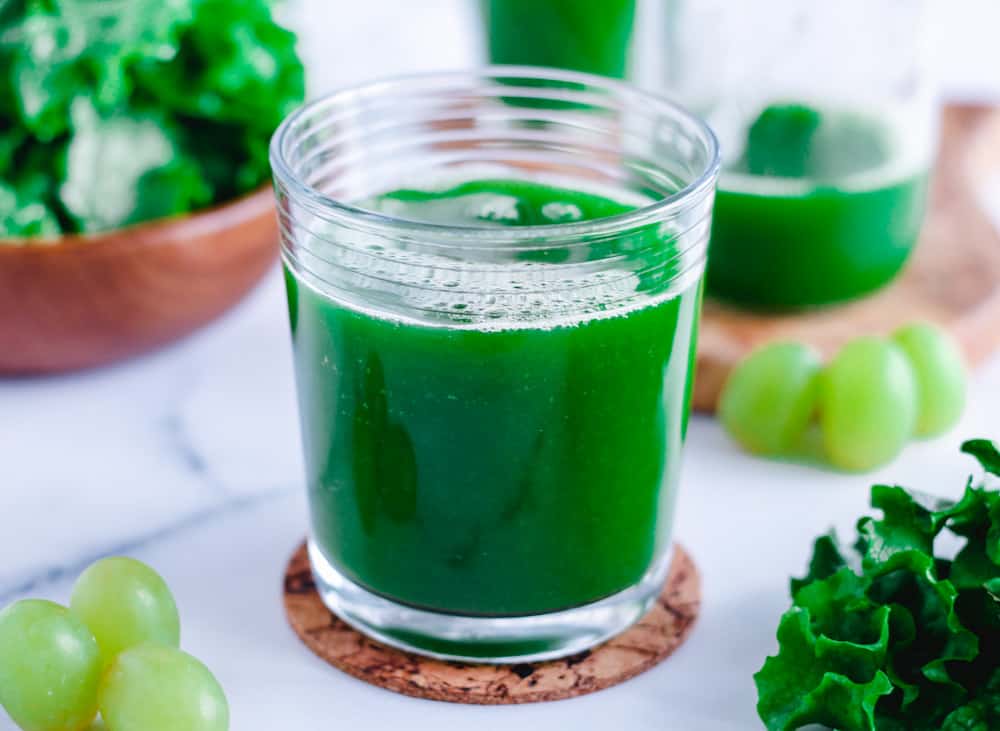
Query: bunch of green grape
[[113, 651], [865, 404]]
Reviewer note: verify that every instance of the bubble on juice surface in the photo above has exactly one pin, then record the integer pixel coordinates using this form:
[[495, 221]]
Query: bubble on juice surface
[[559, 212], [496, 208]]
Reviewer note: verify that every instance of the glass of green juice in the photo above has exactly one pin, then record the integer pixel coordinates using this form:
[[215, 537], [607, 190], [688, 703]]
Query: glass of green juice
[[494, 309], [828, 118], [595, 36]]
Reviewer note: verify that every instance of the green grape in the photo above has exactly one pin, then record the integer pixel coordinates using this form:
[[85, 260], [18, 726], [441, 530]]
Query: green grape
[[868, 404], [941, 376], [125, 603], [50, 667], [157, 688], [770, 397]]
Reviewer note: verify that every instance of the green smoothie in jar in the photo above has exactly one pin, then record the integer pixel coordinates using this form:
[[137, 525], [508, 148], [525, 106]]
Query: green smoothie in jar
[[822, 206]]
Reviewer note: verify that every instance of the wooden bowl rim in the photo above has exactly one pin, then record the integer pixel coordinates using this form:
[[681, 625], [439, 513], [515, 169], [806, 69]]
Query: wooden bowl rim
[[189, 225]]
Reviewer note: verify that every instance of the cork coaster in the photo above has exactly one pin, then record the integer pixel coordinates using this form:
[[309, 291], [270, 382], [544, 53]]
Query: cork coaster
[[647, 643]]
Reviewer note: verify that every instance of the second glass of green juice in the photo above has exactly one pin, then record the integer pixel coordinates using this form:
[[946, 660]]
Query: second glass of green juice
[[828, 121], [494, 311], [595, 36]]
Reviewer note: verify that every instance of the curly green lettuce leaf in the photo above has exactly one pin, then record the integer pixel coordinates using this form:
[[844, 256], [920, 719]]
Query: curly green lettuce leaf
[[232, 160], [67, 48], [931, 640], [986, 452], [10, 140], [979, 523], [993, 588], [827, 559], [929, 625], [906, 525], [11, 12], [840, 611], [799, 685], [45, 73], [215, 76], [980, 714], [887, 722], [21, 217], [975, 716], [124, 169], [236, 65], [139, 30]]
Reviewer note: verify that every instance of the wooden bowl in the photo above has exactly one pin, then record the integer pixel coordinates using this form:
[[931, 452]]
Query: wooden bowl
[[85, 300]]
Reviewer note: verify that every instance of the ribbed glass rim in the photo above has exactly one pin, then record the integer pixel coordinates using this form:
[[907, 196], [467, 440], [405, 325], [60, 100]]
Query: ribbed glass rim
[[623, 93]]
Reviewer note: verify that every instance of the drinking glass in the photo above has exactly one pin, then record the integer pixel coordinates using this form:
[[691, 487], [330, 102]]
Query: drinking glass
[[493, 417]]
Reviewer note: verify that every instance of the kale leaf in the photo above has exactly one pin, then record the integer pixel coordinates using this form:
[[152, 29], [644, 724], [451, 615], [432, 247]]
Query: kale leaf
[[151, 109], [907, 640]]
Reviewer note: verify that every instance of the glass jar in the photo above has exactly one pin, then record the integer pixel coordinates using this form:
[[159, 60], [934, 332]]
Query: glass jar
[[594, 36], [493, 416], [827, 118]]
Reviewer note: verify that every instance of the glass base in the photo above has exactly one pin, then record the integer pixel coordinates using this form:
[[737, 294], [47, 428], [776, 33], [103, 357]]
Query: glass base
[[485, 639]]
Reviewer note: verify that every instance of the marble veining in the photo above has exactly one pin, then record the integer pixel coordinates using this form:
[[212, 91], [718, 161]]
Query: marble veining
[[170, 531]]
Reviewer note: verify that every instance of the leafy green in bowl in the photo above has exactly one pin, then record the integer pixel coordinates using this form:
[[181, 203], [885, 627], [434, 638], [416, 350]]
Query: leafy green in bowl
[[114, 112]]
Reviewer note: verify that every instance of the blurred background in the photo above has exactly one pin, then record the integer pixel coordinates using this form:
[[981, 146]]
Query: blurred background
[[346, 43]]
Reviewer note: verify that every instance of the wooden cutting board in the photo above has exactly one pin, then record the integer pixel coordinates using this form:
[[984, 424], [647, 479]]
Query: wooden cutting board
[[953, 278]]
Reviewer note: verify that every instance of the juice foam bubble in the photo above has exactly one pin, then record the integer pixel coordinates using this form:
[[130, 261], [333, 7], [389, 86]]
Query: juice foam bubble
[[529, 287]]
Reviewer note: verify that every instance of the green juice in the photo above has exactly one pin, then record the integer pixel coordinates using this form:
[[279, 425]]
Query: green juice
[[814, 212], [485, 469], [580, 35]]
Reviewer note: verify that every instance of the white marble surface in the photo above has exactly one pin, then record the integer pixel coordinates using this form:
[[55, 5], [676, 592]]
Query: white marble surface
[[188, 459]]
